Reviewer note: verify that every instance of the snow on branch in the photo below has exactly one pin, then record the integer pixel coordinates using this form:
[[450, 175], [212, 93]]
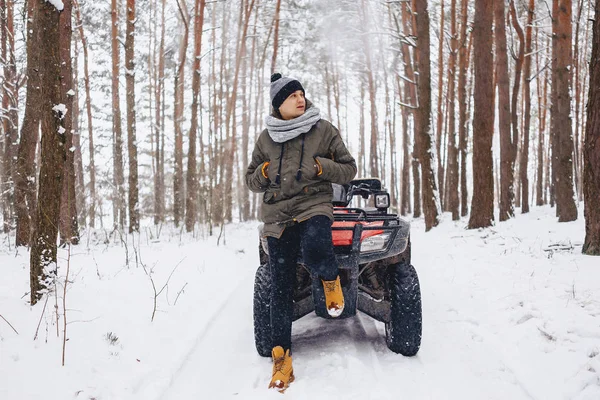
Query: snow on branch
[[57, 3]]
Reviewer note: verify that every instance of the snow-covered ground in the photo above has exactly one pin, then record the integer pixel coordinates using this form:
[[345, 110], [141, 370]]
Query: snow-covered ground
[[505, 317]]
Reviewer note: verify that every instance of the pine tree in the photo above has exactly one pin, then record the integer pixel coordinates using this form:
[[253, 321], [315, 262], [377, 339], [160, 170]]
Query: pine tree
[[591, 160], [482, 203], [43, 247]]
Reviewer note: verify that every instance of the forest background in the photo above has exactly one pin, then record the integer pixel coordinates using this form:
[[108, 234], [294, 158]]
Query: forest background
[[148, 110]]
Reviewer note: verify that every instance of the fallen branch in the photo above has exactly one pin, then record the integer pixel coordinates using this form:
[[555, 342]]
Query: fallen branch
[[178, 293], [9, 324], [547, 335], [40, 321]]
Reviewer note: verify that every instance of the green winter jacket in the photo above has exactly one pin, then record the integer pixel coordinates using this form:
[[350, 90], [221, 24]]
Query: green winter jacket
[[299, 193]]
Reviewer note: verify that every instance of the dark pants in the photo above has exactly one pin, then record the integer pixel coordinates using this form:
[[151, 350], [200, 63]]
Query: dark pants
[[311, 238]]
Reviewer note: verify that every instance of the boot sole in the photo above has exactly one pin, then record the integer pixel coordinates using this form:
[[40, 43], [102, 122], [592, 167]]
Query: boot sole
[[335, 313], [292, 378]]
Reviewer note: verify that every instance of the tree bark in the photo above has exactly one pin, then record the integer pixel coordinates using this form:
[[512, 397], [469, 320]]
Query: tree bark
[[440, 112], [159, 176], [119, 179], [453, 199], [10, 121], [79, 180], [373, 156], [43, 249], [482, 203], [507, 146], [4, 200], [88, 108], [191, 212], [577, 162], [69, 225], [275, 37], [410, 26], [542, 176], [178, 194], [527, 101], [514, 109], [25, 182], [407, 88], [362, 168], [563, 136], [591, 153], [463, 67], [247, 93], [430, 194], [134, 211]]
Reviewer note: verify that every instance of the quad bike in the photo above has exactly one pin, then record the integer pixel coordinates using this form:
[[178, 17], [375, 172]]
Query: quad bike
[[372, 248]]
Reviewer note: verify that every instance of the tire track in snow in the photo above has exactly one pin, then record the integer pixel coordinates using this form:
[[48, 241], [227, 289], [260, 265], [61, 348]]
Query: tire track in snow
[[211, 324]]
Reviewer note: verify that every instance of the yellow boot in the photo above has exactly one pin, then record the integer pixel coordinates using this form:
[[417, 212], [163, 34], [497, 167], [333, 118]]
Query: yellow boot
[[283, 372], [334, 297]]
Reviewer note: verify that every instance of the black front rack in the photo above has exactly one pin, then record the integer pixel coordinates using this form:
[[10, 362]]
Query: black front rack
[[351, 256]]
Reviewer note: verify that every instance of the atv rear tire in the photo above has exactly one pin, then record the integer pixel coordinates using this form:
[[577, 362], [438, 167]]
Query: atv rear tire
[[262, 311], [403, 332]]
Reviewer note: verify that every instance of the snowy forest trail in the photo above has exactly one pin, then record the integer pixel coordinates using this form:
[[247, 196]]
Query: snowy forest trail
[[463, 354], [509, 312]]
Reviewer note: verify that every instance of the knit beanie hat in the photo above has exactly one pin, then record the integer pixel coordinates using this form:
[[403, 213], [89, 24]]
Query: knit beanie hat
[[281, 88]]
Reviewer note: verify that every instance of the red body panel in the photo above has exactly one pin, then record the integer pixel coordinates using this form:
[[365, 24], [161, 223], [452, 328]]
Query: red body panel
[[344, 237]]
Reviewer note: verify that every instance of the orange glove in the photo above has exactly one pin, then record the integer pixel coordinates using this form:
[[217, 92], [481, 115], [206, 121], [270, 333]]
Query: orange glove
[[319, 167], [263, 170]]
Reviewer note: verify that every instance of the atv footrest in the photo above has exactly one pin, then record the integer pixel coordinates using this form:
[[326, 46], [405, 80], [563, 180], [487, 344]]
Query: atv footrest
[[378, 309]]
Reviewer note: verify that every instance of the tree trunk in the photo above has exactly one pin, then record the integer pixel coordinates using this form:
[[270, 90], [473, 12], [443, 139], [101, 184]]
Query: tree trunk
[[69, 226], [191, 211], [578, 100], [88, 107], [178, 194], [507, 146], [463, 67], [134, 211], [563, 136], [430, 195], [79, 180], [453, 200], [119, 179], [440, 112], [405, 190], [410, 26], [390, 114], [275, 37], [591, 157], [4, 200], [159, 176], [373, 156], [43, 249], [361, 133], [25, 193], [543, 176], [247, 212], [514, 110], [408, 101], [10, 121], [527, 102], [584, 63], [482, 203], [246, 12]]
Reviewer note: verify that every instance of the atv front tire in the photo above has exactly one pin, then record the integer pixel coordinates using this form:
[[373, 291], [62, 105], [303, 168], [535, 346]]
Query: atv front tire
[[262, 311], [403, 331]]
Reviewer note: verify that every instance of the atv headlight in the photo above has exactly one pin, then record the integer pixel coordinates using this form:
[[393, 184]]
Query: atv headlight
[[374, 243], [382, 200]]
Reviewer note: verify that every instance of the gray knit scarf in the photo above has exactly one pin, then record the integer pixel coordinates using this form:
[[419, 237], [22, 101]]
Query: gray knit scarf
[[282, 130]]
